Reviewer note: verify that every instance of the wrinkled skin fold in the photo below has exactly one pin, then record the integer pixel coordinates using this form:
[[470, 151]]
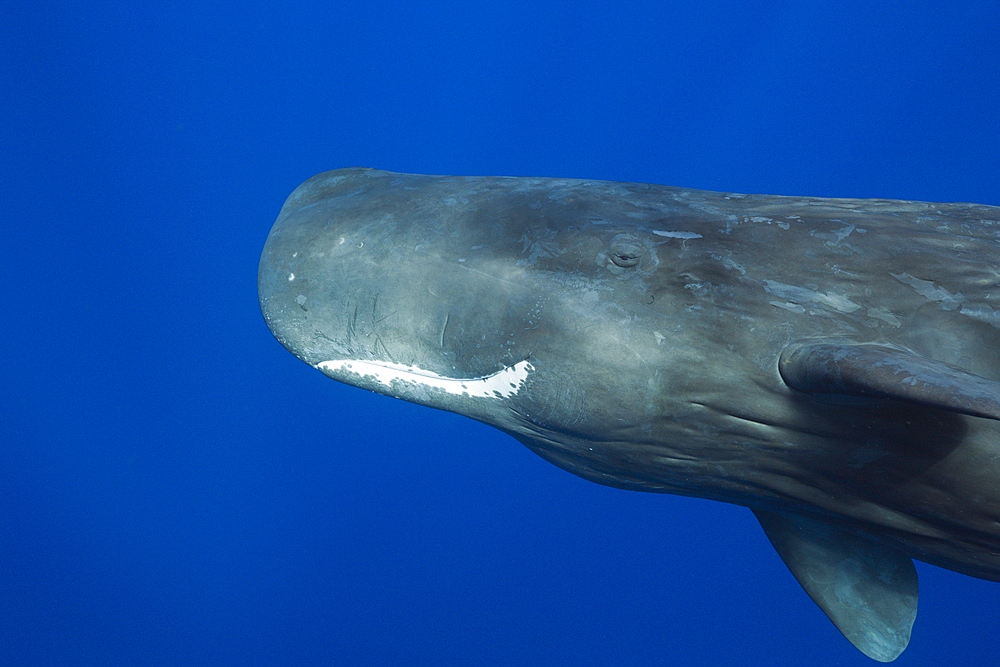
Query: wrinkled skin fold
[[831, 364]]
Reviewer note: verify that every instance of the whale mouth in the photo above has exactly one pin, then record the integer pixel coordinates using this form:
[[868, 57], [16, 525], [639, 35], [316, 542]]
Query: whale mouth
[[505, 383]]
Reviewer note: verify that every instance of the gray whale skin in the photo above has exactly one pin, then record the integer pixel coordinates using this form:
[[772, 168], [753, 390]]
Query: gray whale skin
[[831, 364]]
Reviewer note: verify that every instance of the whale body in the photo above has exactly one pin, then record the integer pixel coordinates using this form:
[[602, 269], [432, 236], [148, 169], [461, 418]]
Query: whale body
[[831, 364]]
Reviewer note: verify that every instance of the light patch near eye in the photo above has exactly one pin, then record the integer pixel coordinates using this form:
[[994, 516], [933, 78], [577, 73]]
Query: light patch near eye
[[678, 235], [502, 384]]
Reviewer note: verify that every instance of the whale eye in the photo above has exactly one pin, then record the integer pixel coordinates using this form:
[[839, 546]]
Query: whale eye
[[625, 254]]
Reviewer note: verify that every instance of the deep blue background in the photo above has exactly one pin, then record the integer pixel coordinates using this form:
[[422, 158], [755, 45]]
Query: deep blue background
[[175, 488]]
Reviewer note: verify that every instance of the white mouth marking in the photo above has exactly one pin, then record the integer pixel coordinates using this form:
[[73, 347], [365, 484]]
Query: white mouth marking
[[502, 384]]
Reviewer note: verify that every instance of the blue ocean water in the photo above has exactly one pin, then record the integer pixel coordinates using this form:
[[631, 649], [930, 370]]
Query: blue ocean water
[[175, 488]]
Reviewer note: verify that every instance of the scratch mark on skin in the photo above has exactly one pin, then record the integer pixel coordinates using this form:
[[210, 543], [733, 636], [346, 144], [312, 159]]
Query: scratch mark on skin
[[460, 263], [352, 326], [636, 354], [444, 328], [626, 346], [375, 318], [490, 275], [380, 343]]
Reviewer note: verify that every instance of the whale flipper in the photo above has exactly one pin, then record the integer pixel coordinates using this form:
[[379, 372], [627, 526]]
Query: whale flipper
[[877, 371], [868, 590]]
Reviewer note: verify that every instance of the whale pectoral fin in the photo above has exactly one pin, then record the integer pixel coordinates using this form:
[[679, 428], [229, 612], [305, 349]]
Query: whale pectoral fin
[[877, 371], [868, 590]]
